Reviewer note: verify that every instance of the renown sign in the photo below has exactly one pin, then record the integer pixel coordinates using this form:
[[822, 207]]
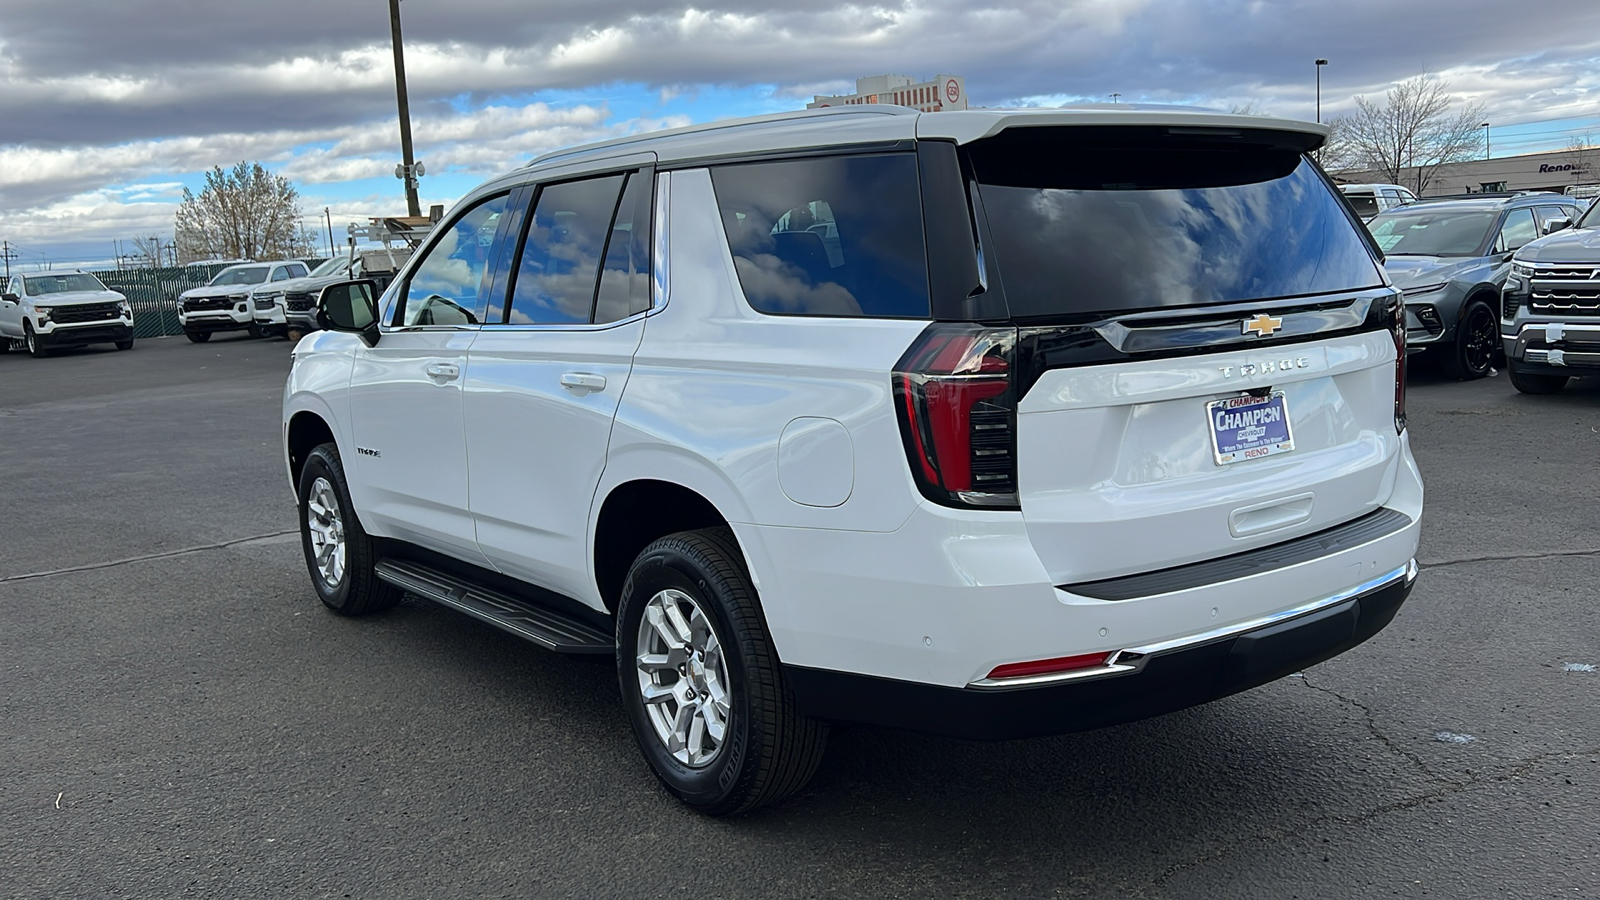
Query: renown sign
[[1563, 167]]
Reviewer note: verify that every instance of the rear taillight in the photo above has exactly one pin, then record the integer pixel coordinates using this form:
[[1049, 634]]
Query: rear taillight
[[1398, 327], [958, 414]]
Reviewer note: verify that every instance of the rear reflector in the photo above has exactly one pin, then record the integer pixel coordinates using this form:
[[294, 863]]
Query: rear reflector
[[1050, 666]]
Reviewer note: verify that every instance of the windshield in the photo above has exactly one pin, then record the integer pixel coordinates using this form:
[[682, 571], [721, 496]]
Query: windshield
[[1590, 220], [242, 275], [1364, 204], [333, 266], [1420, 231], [1121, 221], [38, 285]]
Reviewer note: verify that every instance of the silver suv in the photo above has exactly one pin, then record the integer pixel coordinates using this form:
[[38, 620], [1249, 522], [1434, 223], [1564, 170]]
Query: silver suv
[[989, 423], [1550, 307]]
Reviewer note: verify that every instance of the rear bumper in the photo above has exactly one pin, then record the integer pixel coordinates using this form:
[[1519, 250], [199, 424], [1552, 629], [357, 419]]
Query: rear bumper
[[1151, 681]]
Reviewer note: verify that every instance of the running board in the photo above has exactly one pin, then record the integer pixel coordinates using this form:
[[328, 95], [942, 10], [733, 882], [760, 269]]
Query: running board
[[543, 626]]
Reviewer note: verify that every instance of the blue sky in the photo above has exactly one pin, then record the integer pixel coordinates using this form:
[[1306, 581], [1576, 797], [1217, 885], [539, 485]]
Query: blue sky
[[106, 114]]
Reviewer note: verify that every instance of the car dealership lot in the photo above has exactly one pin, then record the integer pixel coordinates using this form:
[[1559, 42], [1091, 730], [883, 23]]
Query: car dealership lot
[[179, 716]]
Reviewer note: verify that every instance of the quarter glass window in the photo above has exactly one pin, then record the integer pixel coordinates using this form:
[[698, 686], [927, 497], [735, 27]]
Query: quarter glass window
[[833, 236], [625, 277], [448, 287], [560, 261]]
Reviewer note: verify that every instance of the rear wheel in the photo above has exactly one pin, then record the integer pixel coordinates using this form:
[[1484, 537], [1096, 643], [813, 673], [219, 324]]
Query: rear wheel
[[701, 683], [1537, 384], [1472, 354], [338, 552]]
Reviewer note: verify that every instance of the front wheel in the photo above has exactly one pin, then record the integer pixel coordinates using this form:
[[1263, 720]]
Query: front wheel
[[1477, 339], [701, 682], [36, 348], [338, 552], [198, 337], [1537, 384], [125, 345]]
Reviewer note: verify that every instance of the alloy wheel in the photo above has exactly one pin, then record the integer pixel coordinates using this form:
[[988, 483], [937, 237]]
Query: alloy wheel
[[1483, 338], [683, 678], [325, 524]]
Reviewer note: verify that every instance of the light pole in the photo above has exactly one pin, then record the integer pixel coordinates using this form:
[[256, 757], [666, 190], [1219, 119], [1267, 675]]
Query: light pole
[[1485, 127], [410, 175], [1320, 64]]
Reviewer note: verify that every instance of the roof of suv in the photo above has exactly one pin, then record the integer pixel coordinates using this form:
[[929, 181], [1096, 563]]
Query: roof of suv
[[877, 123], [1493, 201]]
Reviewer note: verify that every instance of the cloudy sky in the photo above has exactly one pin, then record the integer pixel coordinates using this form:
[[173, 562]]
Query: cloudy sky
[[107, 109]]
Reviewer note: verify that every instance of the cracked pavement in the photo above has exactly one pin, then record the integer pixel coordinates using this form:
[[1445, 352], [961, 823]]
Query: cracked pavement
[[180, 718]]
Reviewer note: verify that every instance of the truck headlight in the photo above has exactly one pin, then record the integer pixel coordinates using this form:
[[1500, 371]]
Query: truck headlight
[[42, 313], [1521, 270], [126, 309]]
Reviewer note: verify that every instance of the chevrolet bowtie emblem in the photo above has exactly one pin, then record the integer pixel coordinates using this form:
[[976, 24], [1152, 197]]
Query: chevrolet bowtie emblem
[[1262, 325]]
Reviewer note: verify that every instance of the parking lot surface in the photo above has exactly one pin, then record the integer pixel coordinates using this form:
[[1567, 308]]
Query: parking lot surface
[[180, 717]]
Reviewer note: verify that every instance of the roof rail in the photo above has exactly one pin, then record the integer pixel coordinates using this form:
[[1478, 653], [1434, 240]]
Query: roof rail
[[878, 109], [1486, 195]]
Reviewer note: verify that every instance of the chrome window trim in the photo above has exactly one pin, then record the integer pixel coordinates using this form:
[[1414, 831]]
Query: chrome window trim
[[566, 326], [1133, 659], [660, 280], [398, 329]]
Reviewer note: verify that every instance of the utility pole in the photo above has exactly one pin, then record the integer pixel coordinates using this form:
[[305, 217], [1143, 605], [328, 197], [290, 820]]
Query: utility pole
[[329, 217], [8, 255], [412, 209]]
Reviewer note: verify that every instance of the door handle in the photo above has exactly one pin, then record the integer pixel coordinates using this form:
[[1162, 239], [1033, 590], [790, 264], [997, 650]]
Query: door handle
[[444, 371], [582, 381]]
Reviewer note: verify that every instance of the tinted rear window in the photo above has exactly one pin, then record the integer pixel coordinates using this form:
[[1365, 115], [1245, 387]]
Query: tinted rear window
[[831, 236], [1102, 223]]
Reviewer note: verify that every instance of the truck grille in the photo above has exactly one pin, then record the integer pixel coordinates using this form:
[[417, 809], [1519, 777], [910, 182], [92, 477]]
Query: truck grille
[[299, 301], [1569, 302], [265, 304], [207, 303], [1564, 289], [85, 312]]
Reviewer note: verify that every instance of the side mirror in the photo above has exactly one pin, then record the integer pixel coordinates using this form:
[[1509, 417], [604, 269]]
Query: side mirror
[[350, 306], [10, 298], [1556, 224]]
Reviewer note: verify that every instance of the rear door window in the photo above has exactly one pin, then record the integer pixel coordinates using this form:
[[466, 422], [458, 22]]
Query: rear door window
[[828, 236], [560, 261], [1518, 229], [1094, 222]]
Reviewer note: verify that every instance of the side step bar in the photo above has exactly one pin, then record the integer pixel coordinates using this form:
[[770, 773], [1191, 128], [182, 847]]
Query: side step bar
[[546, 627]]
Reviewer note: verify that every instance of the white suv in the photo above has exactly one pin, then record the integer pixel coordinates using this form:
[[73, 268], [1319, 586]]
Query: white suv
[[990, 423]]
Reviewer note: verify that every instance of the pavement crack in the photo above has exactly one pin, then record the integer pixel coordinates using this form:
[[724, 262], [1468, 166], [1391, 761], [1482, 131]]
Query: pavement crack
[[166, 554], [1376, 732], [1506, 557]]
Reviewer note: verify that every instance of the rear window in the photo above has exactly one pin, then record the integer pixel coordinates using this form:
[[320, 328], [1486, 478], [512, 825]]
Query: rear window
[[1119, 220], [830, 236]]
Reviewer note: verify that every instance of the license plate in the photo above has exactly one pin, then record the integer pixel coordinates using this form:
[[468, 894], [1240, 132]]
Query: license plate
[[1249, 427]]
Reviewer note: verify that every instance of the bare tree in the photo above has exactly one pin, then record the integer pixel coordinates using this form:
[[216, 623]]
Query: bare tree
[[1338, 152], [245, 213], [149, 250], [1583, 154], [1413, 128]]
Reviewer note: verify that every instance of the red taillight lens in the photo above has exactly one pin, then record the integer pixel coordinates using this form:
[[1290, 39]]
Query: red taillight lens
[[1050, 666], [1399, 328], [953, 390]]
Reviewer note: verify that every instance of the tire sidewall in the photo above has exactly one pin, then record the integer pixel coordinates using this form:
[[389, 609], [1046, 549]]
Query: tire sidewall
[[320, 464], [707, 786], [1464, 336]]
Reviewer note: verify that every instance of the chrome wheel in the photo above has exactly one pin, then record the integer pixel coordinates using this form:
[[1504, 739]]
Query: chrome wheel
[[326, 527], [683, 678]]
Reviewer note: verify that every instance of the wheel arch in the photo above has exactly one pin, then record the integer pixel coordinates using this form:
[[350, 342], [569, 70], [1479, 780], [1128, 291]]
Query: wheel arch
[[305, 431], [636, 513]]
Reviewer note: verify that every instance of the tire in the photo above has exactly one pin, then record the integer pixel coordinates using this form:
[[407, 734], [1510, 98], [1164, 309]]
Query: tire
[[768, 750], [1471, 355], [1537, 384], [36, 349], [125, 345], [256, 331], [198, 337], [345, 582]]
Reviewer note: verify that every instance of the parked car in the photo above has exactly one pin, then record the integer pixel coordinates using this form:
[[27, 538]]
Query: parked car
[[1370, 199], [54, 310], [229, 301], [1451, 258], [1145, 450], [293, 303], [1550, 308]]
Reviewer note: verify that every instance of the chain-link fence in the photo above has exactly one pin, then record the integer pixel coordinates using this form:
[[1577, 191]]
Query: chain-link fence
[[153, 294]]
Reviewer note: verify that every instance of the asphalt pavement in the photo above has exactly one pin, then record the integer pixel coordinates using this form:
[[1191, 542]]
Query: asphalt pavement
[[179, 717]]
